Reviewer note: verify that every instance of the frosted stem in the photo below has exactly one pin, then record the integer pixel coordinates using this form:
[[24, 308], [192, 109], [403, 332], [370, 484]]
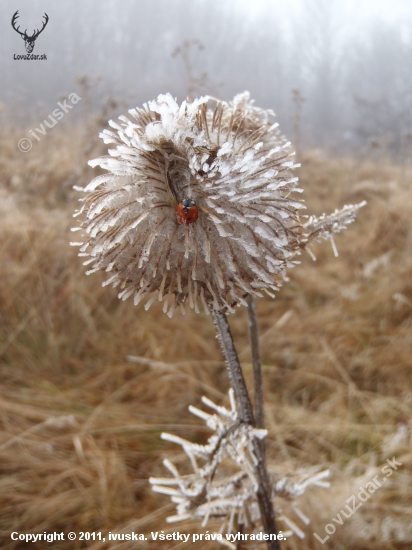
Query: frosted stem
[[245, 412]]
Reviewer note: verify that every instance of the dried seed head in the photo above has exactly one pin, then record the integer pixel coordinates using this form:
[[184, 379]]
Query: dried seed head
[[196, 206]]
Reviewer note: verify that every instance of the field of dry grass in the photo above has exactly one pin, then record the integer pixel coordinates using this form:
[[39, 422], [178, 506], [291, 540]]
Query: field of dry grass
[[80, 424]]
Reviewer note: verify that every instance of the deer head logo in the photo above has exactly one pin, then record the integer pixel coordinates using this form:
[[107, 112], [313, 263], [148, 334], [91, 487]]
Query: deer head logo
[[28, 40]]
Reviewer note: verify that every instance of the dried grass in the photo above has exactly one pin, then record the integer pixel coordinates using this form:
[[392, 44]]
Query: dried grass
[[336, 348]]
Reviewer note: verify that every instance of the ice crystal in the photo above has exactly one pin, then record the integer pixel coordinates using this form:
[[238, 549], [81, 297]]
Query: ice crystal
[[231, 166], [325, 226], [223, 485]]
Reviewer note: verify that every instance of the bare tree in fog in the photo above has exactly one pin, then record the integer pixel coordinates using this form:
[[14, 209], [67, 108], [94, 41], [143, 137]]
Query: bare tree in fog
[[356, 80], [197, 83], [380, 82], [320, 57]]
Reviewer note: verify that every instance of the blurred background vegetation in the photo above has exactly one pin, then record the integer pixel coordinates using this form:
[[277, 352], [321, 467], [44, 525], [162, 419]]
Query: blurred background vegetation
[[343, 68]]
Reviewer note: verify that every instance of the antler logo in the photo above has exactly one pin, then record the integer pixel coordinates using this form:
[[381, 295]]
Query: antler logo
[[29, 41]]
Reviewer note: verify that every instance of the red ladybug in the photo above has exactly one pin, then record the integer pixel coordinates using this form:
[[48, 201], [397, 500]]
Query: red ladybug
[[187, 212]]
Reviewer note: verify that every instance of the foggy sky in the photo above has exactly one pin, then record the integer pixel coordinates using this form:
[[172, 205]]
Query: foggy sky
[[350, 61]]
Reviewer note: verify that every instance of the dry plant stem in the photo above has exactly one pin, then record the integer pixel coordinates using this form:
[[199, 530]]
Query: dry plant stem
[[256, 362], [237, 380], [246, 415]]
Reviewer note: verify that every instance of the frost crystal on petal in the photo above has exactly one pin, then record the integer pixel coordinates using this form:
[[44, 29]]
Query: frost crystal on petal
[[197, 206]]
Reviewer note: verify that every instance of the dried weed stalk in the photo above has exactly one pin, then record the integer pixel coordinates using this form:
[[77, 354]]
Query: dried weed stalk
[[198, 205]]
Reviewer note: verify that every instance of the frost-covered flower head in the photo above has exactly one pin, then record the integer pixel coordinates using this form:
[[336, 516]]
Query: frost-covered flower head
[[198, 205]]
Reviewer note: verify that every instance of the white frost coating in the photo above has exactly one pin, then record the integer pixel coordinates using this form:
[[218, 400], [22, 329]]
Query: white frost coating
[[237, 167], [223, 485]]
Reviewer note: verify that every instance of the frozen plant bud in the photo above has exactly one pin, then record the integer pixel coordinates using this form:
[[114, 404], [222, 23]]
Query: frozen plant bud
[[197, 205]]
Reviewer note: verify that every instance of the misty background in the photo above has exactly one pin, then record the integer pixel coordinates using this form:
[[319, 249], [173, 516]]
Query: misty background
[[338, 74]]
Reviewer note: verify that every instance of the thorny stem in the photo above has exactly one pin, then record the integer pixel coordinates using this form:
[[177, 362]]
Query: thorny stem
[[245, 412]]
